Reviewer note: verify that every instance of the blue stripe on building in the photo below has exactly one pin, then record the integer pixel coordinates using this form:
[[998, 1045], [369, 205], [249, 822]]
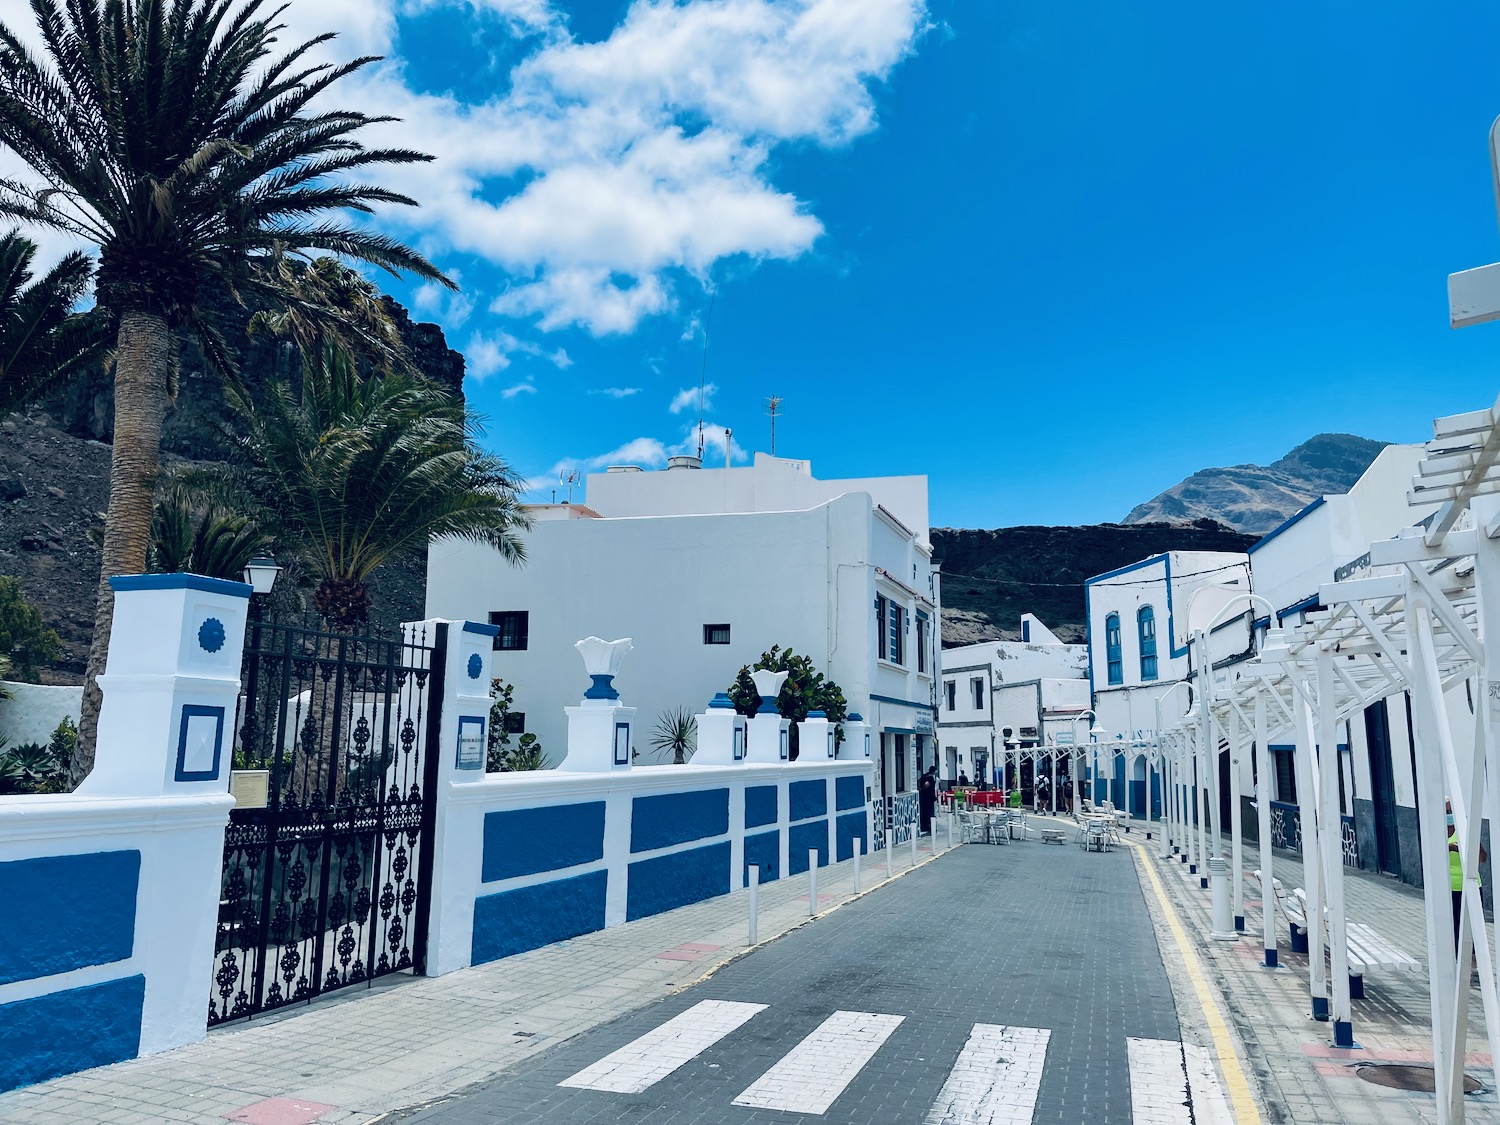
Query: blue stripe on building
[[760, 805], [664, 819], [67, 912], [849, 792], [71, 1030], [801, 838], [526, 841], [530, 917], [807, 799], [851, 832], [763, 850], [670, 881]]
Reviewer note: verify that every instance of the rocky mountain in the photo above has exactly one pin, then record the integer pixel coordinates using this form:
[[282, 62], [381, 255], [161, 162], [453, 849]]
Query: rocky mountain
[[990, 578], [54, 478], [1255, 498]]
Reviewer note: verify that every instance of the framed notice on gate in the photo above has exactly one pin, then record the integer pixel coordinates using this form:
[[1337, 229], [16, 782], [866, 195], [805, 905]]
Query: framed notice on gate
[[470, 743]]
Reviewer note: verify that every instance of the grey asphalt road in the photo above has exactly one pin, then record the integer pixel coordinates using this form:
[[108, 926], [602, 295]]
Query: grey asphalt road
[[1027, 934]]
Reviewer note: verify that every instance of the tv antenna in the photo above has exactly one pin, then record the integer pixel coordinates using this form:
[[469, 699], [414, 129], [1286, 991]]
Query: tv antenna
[[773, 407], [703, 368], [570, 479]]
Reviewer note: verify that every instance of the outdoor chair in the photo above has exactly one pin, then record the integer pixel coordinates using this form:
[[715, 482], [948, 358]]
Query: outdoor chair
[[1094, 836]]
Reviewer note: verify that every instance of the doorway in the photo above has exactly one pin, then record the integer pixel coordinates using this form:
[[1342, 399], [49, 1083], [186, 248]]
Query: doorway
[[1383, 787]]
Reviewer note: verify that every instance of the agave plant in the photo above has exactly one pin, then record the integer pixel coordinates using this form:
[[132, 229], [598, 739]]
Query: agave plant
[[676, 731]]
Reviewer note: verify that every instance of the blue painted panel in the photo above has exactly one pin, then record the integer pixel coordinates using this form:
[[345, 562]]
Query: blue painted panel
[[530, 917], [525, 841], [760, 805], [64, 912], [800, 839], [764, 850], [670, 881], [849, 792], [848, 831], [664, 819], [807, 798], [62, 1032]]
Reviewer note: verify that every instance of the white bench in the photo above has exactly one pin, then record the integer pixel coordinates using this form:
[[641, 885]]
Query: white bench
[[1367, 949]]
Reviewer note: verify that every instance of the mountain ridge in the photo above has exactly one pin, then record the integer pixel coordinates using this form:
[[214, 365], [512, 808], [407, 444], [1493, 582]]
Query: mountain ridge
[[1257, 498]]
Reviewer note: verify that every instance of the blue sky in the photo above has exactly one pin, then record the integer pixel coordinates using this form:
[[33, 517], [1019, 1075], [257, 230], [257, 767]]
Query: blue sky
[[1056, 257]]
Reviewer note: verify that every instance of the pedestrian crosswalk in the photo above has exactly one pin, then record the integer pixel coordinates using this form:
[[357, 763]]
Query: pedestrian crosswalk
[[995, 1080]]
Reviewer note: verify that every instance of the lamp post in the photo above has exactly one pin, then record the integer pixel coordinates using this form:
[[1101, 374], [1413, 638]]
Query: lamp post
[[1093, 730], [260, 575]]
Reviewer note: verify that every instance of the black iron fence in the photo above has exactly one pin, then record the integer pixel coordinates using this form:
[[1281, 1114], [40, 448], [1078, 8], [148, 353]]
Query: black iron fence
[[326, 884]]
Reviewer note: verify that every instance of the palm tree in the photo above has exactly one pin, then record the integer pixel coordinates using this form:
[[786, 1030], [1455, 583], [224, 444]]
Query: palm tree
[[200, 538], [172, 136], [354, 471], [42, 341]]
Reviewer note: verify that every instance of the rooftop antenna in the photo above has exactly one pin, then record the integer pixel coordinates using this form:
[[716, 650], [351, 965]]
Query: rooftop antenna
[[703, 368], [773, 407], [570, 479]]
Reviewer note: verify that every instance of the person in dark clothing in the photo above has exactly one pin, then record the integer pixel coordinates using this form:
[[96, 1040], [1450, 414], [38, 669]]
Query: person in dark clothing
[[927, 800], [963, 778]]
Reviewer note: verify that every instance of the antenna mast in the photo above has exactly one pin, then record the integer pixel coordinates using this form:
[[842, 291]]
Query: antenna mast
[[773, 406], [713, 295], [569, 479]]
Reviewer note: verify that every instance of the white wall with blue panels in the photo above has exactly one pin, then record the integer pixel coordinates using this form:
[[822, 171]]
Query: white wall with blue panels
[[527, 859]]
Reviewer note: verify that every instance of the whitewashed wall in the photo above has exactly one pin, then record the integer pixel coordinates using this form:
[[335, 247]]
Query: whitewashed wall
[[34, 710]]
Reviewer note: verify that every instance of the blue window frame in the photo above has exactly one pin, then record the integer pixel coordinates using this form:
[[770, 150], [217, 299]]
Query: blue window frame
[[1145, 621], [1112, 649]]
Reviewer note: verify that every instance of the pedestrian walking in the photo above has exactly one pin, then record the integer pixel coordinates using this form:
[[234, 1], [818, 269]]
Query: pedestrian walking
[[927, 800], [1456, 872]]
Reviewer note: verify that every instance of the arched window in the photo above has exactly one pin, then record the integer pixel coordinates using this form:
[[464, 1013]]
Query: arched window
[[1112, 649], [1145, 622]]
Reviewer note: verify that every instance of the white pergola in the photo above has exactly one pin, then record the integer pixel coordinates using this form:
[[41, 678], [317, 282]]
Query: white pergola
[[1414, 624]]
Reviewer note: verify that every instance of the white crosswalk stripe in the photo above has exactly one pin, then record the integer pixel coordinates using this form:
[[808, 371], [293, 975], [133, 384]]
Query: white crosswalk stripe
[[1165, 1076], [996, 1078], [645, 1061], [811, 1076]]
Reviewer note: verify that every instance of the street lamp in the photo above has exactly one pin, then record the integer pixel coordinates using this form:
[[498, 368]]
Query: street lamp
[[1096, 729], [260, 574]]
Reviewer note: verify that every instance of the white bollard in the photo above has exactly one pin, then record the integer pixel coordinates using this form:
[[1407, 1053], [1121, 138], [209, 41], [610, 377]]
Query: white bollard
[[858, 844], [812, 882], [913, 845], [754, 903], [890, 855], [948, 820]]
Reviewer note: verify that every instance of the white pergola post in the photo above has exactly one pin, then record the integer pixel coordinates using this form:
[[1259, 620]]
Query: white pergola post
[[1236, 839], [1307, 811], [1263, 819], [1200, 794], [1331, 837]]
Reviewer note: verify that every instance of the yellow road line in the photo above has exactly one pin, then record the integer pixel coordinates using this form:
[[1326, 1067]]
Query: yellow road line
[[1245, 1110]]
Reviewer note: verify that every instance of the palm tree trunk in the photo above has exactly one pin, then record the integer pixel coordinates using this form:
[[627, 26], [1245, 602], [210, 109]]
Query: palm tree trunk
[[145, 357]]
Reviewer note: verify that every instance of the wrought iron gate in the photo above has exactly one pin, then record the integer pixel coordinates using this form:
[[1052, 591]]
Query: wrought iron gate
[[328, 885]]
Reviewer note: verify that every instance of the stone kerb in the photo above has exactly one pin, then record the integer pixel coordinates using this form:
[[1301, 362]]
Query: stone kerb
[[118, 883]]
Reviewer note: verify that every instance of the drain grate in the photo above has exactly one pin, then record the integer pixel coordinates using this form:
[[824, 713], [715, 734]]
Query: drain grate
[[1407, 1076]]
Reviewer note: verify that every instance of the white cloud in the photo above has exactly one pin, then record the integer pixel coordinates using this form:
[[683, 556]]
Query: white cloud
[[688, 398], [640, 160], [485, 355], [560, 359], [518, 389], [617, 392]]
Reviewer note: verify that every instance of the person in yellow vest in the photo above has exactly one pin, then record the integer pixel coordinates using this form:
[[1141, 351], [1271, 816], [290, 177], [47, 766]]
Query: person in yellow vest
[[1456, 872]]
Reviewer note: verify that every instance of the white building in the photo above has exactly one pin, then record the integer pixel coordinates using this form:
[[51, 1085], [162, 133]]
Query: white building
[[999, 698], [705, 569], [1327, 541]]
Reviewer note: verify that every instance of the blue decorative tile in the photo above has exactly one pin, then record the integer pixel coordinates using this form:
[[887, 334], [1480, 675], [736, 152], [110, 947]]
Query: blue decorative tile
[[476, 665], [211, 635]]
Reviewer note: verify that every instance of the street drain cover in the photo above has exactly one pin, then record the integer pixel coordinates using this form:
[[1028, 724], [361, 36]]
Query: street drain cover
[[1405, 1076]]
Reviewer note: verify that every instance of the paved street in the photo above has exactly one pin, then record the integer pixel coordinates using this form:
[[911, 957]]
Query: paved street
[[1034, 938]]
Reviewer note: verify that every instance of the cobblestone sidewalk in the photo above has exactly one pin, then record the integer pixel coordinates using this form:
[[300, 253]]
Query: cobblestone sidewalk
[[1302, 1077], [356, 1056]]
